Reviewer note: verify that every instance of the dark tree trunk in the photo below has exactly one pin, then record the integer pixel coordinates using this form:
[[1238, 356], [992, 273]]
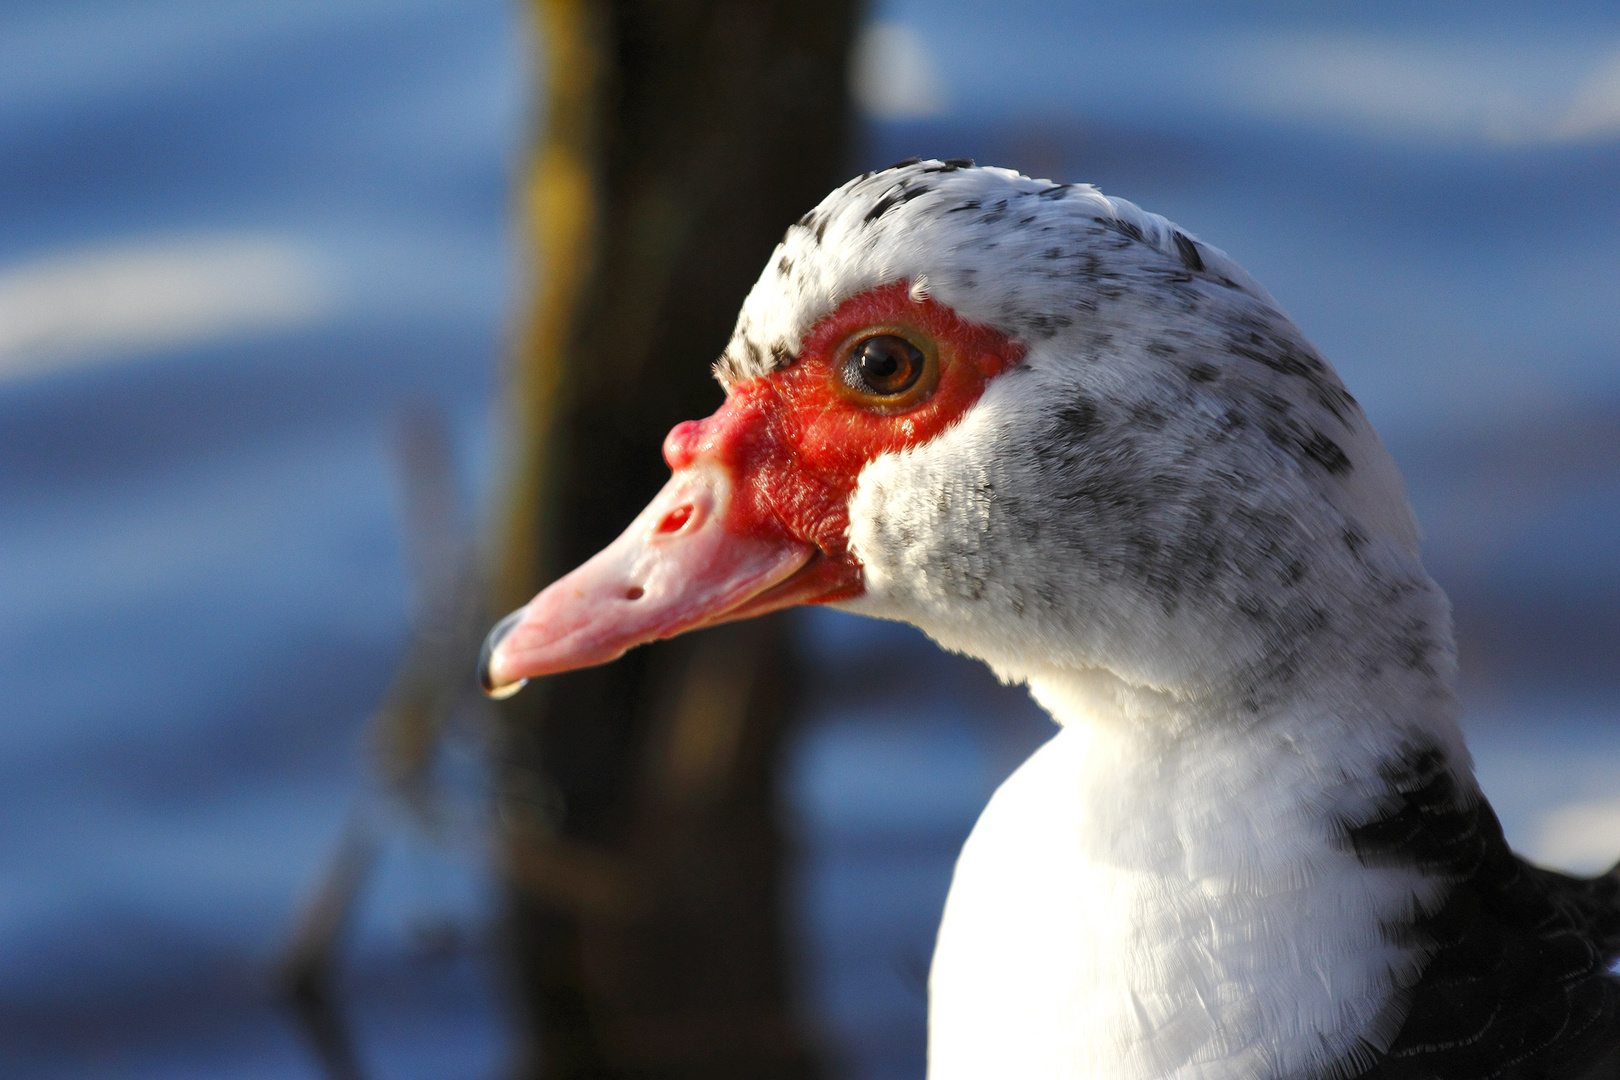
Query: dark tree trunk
[[680, 138]]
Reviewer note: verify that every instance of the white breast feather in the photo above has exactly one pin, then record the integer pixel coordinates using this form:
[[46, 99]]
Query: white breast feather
[[1130, 910]]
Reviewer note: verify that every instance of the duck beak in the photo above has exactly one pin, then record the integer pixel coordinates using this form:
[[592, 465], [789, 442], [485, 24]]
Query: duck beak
[[676, 568]]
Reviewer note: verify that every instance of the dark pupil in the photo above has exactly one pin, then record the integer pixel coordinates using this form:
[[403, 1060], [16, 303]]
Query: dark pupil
[[888, 364]]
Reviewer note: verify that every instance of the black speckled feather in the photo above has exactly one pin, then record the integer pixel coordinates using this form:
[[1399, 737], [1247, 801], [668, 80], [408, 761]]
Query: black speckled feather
[[1517, 985]]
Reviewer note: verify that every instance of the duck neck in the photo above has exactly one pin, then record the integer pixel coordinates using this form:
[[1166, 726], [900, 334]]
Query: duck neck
[[1192, 859], [1369, 680], [1327, 753]]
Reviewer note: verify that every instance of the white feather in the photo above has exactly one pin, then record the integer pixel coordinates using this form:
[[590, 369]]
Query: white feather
[[1175, 526]]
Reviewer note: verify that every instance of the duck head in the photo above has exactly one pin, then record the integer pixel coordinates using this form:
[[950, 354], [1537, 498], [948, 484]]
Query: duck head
[[1050, 429]]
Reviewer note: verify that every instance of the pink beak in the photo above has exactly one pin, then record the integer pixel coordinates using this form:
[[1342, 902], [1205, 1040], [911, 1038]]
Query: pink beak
[[677, 567]]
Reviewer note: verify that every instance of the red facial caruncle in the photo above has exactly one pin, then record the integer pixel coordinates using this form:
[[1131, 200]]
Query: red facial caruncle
[[756, 515]]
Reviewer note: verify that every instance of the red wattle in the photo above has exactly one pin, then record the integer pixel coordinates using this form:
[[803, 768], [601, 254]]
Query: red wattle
[[796, 443]]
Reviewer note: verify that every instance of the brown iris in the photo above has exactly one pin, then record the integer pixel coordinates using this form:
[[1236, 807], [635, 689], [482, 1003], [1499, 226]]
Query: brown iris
[[885, 365], [888, 371]]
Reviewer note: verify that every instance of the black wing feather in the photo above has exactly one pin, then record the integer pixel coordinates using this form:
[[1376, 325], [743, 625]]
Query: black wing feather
[[1517, 985]]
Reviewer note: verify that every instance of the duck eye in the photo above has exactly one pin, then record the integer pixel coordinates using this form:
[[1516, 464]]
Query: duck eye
[[885, 365]]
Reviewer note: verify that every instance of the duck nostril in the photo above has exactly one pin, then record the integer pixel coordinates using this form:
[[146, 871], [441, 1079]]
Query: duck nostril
[[675, 519], [634, 592]]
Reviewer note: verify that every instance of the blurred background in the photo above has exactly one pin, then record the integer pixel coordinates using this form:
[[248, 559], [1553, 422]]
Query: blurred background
[[265, 270]]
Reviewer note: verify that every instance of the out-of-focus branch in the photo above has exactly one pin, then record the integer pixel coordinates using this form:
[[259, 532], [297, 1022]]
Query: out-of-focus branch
[[449, 615], [432, 682], [308, 972]]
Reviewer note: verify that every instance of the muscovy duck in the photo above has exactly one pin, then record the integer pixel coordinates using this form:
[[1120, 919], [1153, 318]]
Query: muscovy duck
[[1062, 435]]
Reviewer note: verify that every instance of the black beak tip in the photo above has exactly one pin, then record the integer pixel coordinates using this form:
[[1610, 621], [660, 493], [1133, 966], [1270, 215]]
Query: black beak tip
[[496, 635]]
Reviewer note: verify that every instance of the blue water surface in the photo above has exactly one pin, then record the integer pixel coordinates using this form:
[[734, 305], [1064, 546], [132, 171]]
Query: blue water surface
[[203, 591], [202, 588]]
